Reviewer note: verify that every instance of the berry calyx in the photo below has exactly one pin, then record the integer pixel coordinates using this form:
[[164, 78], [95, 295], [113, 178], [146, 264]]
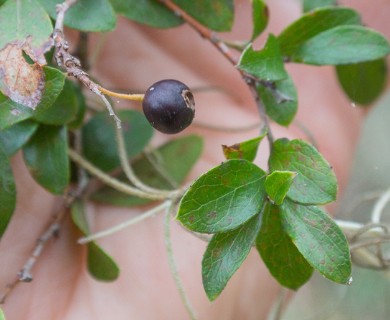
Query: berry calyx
[[169, 106]]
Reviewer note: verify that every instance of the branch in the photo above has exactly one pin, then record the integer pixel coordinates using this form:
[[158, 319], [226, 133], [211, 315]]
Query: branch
[[225, 51], [70, 63]]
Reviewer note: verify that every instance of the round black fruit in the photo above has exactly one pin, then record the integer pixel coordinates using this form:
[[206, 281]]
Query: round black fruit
[[169, 106]]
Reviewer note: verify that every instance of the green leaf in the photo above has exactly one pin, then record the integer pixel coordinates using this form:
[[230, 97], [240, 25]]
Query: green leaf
[[149, 12], [309, 5], [281, 101], [266, 64], [246, 150], [223, 198], [12, 112], [319, 240], [315, 182], [165, 167], [13, 138], [343, 45], [2, 316], [260, 16], [47, 159], [86, 15], [225, 254], [280, 255], [78, 121], [100, 265], [64, 108], [23, 18], [99, 137], [278, 183], [363, 82], [312, 24], [217, 15], [7, 191]]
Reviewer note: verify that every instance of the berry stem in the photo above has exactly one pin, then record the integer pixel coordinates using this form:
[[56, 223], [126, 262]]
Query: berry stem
[[133, 97]]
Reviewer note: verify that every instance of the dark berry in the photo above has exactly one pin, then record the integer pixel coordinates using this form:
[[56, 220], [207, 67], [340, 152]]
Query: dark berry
[[169, 106]]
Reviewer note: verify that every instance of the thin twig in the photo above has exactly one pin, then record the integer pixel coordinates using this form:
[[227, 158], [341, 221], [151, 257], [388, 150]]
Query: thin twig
[[112, 182], [25, 274], [127, 96], [225, 51], [214, 127], [172, 264], [70, 63], [124, 225], [380, 205], [129, 172]]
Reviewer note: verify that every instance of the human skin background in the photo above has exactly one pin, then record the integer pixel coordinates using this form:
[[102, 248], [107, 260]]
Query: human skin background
[[135, 57]]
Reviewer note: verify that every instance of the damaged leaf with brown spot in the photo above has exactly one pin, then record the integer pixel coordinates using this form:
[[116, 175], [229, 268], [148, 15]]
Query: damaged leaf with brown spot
[[21, 79], [246, 150]]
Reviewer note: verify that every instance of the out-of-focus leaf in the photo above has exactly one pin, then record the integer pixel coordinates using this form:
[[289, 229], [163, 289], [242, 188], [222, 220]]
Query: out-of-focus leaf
[[20, 19], [13, 138], [164, 168], [100, 265], [99, 137], [363, 82], [47, 159], [309, 5], [149, 12], [223, 198], [312, 24], [279, 253], [85, 15], [260, 16], [342, 45], [7, 191]]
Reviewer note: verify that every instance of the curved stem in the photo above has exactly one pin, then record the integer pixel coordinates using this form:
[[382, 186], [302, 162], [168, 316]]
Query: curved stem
[[124, 225], [114, 183], [172, 264], [133, 97], [128, 170]]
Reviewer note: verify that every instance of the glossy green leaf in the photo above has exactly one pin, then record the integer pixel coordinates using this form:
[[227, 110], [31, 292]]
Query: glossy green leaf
[[216, 15], [312, 24], [99, 137], [363, 82], [280, 255], [85, 15], [7, 191], [246, 150], [223, 198], [342, 45], [309, 5], [260, 16], [23, 18], [13, 138], [281, 101], [319, 240], [165, 167], [315, 182], [278, 183], [149, 12], [224, 255], [12, 112], [2, 316], [266, 64], [63, 110], [100, 265], [46, 158]]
